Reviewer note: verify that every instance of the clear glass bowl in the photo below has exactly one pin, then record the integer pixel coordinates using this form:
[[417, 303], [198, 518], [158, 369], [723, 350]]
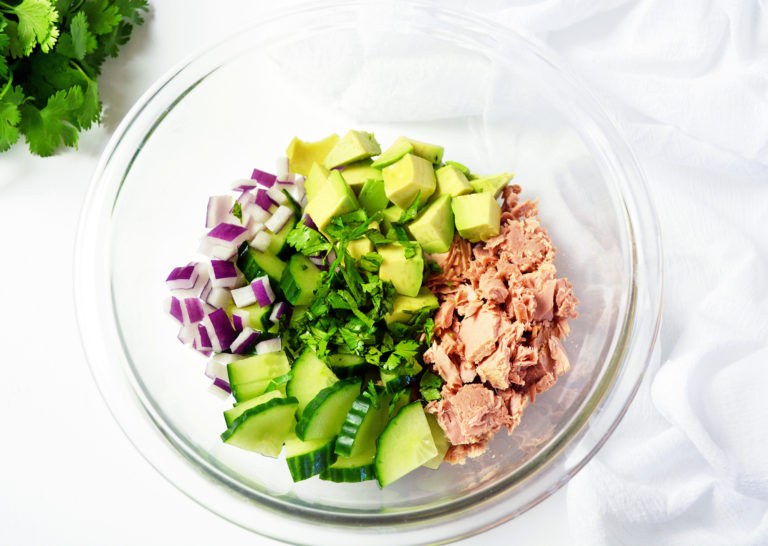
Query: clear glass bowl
[[496, 102]]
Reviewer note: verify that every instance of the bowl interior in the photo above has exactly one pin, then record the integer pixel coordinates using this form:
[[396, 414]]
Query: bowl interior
[[434, 79]]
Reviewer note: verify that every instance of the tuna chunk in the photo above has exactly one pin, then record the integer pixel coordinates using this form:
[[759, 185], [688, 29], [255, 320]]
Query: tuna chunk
[[492, 288], [496, 368], [472, 415], [479, 333], [545, 301], [444, 316], [458, 454], [516, 402], [443, 365]]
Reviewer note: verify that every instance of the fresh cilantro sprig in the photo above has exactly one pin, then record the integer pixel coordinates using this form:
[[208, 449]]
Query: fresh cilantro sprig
[[430, 386], [51, 54]]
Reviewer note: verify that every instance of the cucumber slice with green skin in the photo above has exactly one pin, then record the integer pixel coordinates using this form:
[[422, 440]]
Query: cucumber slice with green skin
[[346, 365], [307, 459], [231, 414], [250, 376], [405, 445], [365, 421], [263, 428], [441, 442], [400, 400], [350, 469], [394, 153], [254, 264], [258, 317], [326, 413], [310, 376], [394, 383], [277, 244], [300, 280]]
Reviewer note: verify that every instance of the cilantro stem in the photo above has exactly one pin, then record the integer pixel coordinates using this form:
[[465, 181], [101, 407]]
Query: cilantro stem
[[7, 86]]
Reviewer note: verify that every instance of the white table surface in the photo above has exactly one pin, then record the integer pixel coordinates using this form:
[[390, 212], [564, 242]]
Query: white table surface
[[69, 475]]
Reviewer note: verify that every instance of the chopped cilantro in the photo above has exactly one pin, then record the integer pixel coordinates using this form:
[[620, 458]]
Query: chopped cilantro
[[430, 386], [237, 211]]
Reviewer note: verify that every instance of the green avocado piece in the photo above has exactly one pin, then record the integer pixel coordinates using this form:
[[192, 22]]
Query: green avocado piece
[[301, 155], [360, 172], [431, 152], [407, 178], [316, 180], [335, 199], [451, 181], [433, 227], [404, 306], [372, 197], [477, 216], [394, 153], [493, 183], [353, 146], [390, 215], [405, 273], [358, 248], [463, 168]]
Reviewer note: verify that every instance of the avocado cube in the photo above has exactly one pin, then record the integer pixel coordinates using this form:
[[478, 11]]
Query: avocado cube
[[409, 177], [492, 184], [301, 155], [477, 216], [404, 306], [360, 172], [372, 197], [463, 168], [316, 180], [433, 227], [431, 152], [353, 146], [335, 199], [362, 246], [394, 153], [405, 273], [451, 181], [390, 215]]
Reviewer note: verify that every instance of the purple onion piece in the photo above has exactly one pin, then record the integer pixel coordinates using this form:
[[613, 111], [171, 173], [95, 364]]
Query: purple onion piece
[[279, 219], [218, 210], [203, 339], [223, 385], [192, 310], [280, 309], [262, 199], [262, 289], [245, 341], [244, 185], [263, 178], [240, 319], [182, 277], [256, 212], [214, 369], [269, 346], [219, 297], [309, 222], [221, 328], [187, 334], [276, 194], [283, 170], [243, 296], [228, 233], [173, 308]]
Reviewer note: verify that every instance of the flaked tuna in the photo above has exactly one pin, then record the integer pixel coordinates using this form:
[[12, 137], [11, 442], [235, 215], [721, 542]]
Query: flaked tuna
[[472, 415]]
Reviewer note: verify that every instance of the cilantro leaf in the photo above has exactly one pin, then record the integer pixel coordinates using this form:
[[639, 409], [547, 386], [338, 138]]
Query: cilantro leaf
[[79, 41], [430, 386], [411, 212], [5, 42], [237, 211], [53, 125], [36, 24], [102, 16], [10, 116], [308, 241]]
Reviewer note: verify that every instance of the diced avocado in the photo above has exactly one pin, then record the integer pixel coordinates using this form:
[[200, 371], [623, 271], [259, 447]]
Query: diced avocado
[[433, 227], [301, 155], [372, 197], [405, 273], [391, 214], [404, 306], [394, 153], [316, 180], [451, 181], [477, 216], [410, 176], [357, 174], [362, 246], [492, 183], [298, 311], [335, 199], [431, 152], [353, 146], [463, 168]]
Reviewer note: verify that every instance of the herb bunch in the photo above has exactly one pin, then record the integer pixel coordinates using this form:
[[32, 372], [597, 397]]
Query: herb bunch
[[51, 53]]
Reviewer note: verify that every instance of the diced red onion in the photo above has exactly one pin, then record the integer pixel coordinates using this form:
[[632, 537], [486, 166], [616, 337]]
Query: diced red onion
[[226, 358], [206, 291], [219, 207], [261, 241], [309, 222], [278, 311], [246, 184], [256, 212], [209, 248], [339, 168], [172, 306], [228, 234], [279, 218], [299, 179], [269, 346], [219, 297], [262, 289], [223, 274], [254, 228], [222, 385], [245, 341], [263, 200], [197, 289], [319, 261], [240, 319], [221, 394], [276, 193], [282, 170], [331, 257], [245, 199], [192, 310], [202, 339], [244, 296], [187, 334], [183, 277], [304, 201], [220, 330], [215, 368], [263, 178]]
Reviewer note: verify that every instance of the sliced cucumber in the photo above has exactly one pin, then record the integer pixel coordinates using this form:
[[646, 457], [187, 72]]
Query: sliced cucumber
[[405, 445], [250, 376], [441, 442], [258, 316], [300, 280], [365, 421], [307, 459], [277, 244], [254, 263], [325, 414], [231, 414], [400, 400], [310, 376], [346, 365], [263, 428], [351, 469], [394, 383]]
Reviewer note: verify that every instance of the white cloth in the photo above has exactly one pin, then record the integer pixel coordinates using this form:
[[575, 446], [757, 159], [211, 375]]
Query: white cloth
[[687, 81]]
